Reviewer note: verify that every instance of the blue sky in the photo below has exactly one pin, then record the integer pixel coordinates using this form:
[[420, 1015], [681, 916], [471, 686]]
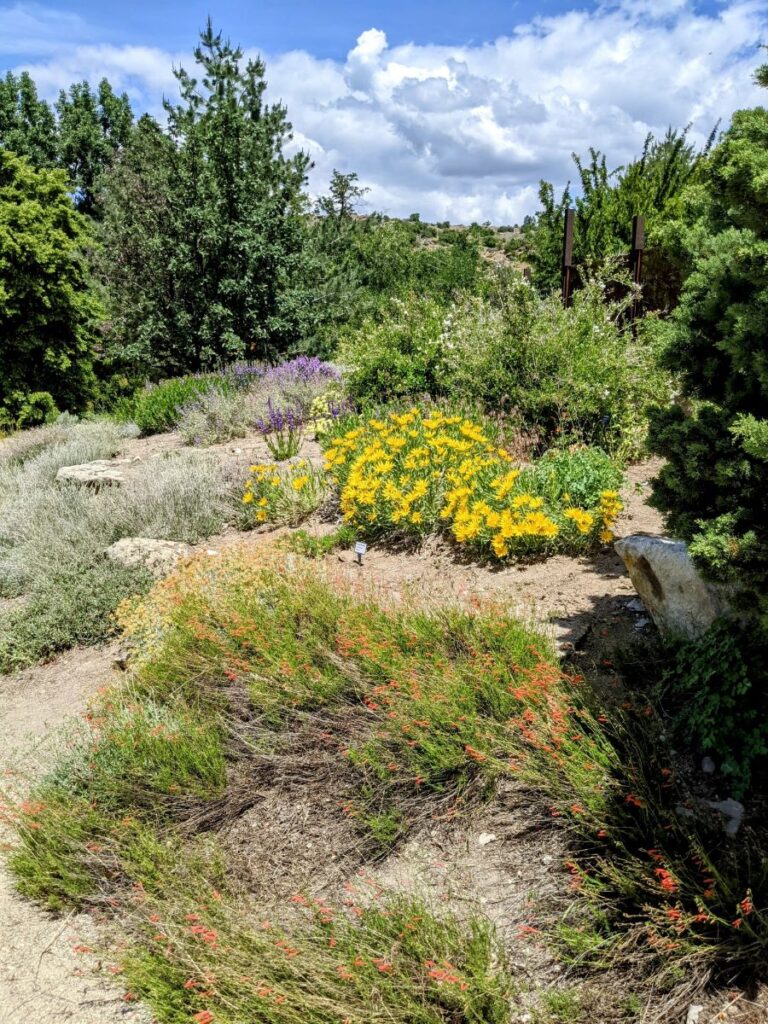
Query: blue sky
[[454, 109], [323, 28]]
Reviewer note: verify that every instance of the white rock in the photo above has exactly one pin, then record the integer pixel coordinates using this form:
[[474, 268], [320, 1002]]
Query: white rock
[[694, 1012], [733, 811], [92, 474], [486, 837], [680, 601], [158, 556]]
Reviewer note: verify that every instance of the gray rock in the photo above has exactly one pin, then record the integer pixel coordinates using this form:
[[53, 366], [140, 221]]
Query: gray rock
[[707, 765], [635, 605], [93, 474], [694, 1013], [680, 601], [733, 811], [158, 556]]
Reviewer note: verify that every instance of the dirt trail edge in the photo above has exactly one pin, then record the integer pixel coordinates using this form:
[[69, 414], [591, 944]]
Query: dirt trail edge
[[43, 977]]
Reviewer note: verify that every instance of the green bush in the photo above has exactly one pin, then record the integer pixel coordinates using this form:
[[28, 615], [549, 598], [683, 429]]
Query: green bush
[[37, 408], [563, 375], [396, 354], [158, 407], [716, 689], [566, 374]]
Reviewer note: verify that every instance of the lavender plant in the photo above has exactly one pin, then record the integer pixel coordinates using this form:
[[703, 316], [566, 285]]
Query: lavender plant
[[282, 430]]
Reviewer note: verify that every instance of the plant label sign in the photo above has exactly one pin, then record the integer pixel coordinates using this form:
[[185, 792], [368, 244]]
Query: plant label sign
[[360, 548]]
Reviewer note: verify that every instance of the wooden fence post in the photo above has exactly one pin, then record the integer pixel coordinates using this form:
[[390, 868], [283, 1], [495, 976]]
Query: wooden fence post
[[567, 264], [636, 261]]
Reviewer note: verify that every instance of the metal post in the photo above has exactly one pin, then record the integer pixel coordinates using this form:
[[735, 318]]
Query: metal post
[[567, 264], [636, 260]]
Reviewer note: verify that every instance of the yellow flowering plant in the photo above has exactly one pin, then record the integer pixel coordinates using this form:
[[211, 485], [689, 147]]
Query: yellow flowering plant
[[421, 471], [282, 494]]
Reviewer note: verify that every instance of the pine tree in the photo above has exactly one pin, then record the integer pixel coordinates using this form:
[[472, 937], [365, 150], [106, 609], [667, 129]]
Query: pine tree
[[232, 237], [713, 487]]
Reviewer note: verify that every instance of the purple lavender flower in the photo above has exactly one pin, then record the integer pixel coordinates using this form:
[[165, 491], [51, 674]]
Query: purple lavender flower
[[278, 419], [303, 369]]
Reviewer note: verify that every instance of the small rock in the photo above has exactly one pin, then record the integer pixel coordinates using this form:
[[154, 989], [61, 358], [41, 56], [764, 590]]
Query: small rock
[[640, 624], [635, 605], [707, 765], [158, 556], [92, 474], [733, 811], [486, 837], [120, 660], [694, 1012]]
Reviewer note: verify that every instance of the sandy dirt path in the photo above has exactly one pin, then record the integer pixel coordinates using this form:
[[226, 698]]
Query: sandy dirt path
[[43, 979]]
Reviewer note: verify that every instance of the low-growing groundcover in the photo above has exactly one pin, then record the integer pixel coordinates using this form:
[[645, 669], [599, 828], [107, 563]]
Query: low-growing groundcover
[[227, 652], [419, 471], [53, 535]]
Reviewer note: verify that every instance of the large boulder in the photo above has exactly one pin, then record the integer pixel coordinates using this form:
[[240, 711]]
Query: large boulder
[[93, 474], [680, 601], [158, 556]]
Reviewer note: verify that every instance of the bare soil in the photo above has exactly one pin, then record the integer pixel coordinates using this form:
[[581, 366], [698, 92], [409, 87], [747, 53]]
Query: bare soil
[[43, 977]]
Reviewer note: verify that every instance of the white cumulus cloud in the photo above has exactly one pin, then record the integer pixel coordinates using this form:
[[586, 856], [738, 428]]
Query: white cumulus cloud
[[465, 132]]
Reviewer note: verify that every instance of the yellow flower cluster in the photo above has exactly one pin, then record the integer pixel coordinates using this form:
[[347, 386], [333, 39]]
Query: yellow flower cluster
[[280, 493], [416, 471]]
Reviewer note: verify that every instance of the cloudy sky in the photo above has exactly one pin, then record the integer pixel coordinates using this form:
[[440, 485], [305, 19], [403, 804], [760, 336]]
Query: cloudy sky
[[451, 108]]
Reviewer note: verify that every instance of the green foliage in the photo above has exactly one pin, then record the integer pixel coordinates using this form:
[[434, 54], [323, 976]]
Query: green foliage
[[47, 315], [562, 375], [311, 546], [27, 123], [608, 200], [397, 354], [82, 136], [713, 485], [158, 407], [92, 128], [400, 962], [222, 230], [53, 537], [718, 687], [37, 407], [71, 606]]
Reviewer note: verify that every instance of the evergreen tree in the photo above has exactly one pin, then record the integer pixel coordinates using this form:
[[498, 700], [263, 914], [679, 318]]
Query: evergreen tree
[[713, 486], [224, 226], [240, 240], [136, 234], [47, 315]]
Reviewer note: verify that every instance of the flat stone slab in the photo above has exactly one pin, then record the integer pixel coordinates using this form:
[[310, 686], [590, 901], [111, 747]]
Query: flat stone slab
[[676, 595], [158, 556], [93, 474]]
